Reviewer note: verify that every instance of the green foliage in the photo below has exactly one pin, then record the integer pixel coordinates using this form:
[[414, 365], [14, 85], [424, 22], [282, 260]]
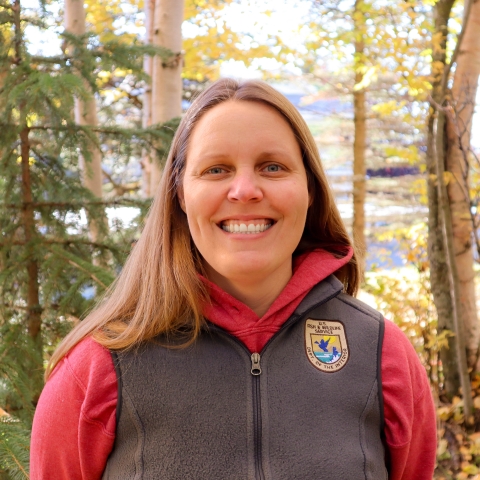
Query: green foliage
[[404, 297], [17, 356], [51, 269], [14, 448], [390, 64]]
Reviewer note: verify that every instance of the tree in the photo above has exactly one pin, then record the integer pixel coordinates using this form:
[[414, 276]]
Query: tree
[[458, 157], [443, 268], [373, 53], [147, 98], [360, 131], [86, 114], [48, 273], [166, 74]]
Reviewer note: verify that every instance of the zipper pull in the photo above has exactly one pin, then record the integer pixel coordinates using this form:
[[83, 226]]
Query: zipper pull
[[256, 370]]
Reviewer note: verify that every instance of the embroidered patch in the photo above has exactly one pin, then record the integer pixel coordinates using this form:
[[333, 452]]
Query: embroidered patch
[[326, 344]]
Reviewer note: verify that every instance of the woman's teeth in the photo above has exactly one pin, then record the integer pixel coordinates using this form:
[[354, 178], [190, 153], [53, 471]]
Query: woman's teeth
[[244, 228]]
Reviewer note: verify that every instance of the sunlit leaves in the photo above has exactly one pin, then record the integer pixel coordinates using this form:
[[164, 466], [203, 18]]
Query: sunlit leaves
[[215, 41]]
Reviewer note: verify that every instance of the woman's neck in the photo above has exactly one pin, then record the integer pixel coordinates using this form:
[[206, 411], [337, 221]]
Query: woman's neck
[[257, 292]]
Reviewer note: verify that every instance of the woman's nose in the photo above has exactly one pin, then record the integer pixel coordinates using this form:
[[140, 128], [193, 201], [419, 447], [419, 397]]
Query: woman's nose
[[245, 188]]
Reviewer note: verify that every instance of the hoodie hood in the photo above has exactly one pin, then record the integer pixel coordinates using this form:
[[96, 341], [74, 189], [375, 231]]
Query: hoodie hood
[[241, 321]]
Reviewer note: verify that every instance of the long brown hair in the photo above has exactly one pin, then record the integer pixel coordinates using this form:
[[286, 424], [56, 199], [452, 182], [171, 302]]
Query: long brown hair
[[159, 290]]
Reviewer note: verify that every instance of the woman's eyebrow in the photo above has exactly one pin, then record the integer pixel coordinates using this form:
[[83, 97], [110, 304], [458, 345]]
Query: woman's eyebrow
[[219, 156]]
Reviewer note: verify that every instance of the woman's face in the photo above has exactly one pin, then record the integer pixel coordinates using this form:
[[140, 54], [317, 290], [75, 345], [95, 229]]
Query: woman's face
[[244, 191]]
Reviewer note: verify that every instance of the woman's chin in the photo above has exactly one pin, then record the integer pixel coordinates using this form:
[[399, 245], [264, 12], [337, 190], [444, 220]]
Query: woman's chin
[[246, 270]]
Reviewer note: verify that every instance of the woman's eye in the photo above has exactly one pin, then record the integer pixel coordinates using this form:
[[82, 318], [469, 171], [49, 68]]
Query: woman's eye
[[272, 168], [215, 170]]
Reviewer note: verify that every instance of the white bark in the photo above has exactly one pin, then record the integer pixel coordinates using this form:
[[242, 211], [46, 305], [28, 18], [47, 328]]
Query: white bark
[[85, 113], [147, 98], [166, 75]]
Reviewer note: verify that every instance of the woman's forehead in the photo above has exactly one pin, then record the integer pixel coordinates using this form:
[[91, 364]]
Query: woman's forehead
[[234, 122]]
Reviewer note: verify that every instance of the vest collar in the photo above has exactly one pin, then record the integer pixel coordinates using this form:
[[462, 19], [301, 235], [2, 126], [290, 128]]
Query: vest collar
[[320, 293]]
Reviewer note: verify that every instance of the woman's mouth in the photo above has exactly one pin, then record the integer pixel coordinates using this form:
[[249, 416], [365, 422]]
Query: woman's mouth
[[247, 226]]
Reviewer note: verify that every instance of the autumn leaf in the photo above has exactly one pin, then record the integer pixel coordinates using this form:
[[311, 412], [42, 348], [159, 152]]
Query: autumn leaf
[[437, 40]]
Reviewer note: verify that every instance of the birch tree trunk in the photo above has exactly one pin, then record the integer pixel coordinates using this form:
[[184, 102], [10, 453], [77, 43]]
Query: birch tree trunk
[[166, 81], [147, 98], [86, 114], [359, 143], [459, 127]]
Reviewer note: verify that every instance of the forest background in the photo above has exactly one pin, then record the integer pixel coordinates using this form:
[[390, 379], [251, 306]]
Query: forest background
[[91, 94]]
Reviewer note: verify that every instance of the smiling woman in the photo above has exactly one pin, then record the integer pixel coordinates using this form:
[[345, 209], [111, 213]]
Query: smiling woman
[[231, 346]]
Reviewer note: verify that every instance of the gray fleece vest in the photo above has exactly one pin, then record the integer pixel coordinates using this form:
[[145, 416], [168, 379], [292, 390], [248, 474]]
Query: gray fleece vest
[[308, 406]]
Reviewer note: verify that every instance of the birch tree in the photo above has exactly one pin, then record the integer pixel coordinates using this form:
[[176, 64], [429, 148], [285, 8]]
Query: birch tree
[[166, 74], [147, 98], [86, 114]]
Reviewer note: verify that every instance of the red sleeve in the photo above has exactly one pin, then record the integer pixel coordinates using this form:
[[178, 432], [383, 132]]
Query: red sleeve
[[410, 420], [74, 424]]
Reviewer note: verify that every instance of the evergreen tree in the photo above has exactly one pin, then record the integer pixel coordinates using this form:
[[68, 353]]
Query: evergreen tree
[[49, 273]]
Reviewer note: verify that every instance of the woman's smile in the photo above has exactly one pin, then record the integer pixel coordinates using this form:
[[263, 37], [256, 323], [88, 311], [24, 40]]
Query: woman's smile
[[246, 226]]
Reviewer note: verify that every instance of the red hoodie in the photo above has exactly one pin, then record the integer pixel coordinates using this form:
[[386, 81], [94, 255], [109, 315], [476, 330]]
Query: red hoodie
[[74, 426]]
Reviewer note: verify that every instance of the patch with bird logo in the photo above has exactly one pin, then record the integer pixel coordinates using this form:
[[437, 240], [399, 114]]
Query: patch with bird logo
[[326, 345]]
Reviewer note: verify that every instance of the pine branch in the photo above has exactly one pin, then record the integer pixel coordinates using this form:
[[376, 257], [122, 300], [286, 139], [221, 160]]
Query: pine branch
[[14, 447], [57, 59], [136, 100], [59, 241], [119, 188], [99, 275]]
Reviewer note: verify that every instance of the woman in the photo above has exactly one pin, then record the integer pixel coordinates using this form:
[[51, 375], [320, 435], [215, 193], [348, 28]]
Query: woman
[[231, 347]]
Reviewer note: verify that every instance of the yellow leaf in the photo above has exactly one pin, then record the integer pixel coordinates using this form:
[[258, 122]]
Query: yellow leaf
[[437, 39], [437, 67], [444, 413], [470, 469], [369, 76], [448, 177], [465, 453], [458, 417], [442, 447], [456, 400], [475, 437]]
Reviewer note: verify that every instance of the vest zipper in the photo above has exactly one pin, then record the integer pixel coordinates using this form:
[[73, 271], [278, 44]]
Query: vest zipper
[[257, 416], [256, 371]]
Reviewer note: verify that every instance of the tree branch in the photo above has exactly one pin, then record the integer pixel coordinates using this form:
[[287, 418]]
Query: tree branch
[[446, 73]]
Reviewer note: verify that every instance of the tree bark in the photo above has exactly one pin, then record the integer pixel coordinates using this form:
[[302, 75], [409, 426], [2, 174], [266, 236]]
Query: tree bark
[[86, 114], [459, 127], [360, 137], [436, 249], [34, 309], [167, 81], [147, 98]]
